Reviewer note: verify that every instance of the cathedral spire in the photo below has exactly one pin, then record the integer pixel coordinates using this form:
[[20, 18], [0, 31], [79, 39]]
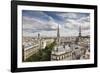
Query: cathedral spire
[[58, 36]]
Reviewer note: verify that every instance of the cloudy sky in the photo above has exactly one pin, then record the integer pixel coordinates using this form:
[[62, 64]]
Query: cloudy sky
[[46, 23]]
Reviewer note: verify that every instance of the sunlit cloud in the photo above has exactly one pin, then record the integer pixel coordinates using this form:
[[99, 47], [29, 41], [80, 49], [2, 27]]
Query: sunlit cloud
[[46, 23]]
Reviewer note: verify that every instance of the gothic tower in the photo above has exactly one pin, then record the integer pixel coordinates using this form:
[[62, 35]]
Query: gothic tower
[[58, 36], [39, 40]]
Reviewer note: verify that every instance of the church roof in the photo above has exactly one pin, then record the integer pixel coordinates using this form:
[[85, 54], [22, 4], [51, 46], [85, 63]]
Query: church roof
[[61, 50]]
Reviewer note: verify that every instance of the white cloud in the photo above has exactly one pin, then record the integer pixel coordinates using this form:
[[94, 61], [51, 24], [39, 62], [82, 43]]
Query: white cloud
[[32, 25], [84, 22]]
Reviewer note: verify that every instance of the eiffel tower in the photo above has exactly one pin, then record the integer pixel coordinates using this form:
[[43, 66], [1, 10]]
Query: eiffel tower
[[79, 36]]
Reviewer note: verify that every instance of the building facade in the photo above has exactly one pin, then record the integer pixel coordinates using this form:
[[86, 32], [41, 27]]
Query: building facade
[[71, 48]]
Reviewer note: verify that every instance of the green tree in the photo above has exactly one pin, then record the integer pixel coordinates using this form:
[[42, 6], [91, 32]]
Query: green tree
[[42, 55]]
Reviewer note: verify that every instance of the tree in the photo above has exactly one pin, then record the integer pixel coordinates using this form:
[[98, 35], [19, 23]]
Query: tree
[[42, 55]]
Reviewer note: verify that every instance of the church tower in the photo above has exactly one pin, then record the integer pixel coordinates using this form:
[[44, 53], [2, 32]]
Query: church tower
[[39, 40], [58, 36]]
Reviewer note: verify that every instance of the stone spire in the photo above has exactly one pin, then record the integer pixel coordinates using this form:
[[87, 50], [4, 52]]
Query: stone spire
[[39, 40], [58, 36]]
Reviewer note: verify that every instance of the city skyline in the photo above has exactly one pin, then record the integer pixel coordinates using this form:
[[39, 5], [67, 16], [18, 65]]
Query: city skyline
[[46, 23]]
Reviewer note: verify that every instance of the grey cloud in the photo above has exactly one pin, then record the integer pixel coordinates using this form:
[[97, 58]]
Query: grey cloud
[[33, 24]]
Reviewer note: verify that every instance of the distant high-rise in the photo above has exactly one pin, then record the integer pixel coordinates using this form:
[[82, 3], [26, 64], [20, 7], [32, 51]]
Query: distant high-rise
[[38, 35], [79, 31]]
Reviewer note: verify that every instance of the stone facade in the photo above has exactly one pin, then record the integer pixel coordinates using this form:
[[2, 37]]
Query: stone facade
[[71, 48]]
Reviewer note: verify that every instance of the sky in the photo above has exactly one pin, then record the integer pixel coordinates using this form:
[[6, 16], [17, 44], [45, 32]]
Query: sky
[[46, 23]]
